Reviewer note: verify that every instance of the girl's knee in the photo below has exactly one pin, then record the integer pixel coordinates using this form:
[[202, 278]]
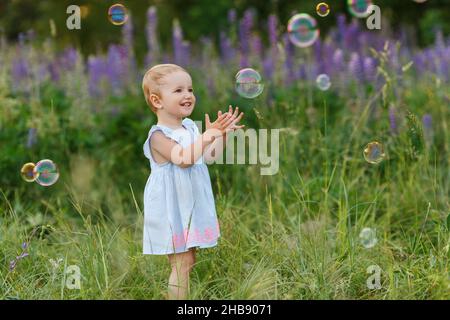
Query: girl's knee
[[183, 261]]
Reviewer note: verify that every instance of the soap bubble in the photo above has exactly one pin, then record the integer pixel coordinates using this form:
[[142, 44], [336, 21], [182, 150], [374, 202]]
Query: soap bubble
[[374, 152], [248, 83], [117, 14], [47, 172], [368, 238], [359, 8], [323, 82], [302, 30], [27, 172], [323, 9]]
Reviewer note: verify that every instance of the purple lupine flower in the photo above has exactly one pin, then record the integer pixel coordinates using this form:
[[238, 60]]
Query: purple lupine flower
[[127, 34], [302, 72], [177, 40], [445, 64], [369, 69], [419, 63], [96, 71], [12, 265], [245, 27], [319, 61], [289, 61], [342, 27], [42, 72], [429, 60], [232, 16], [257, 46], [350, 35], [394, 59], [427, 128], [337, 69], [69, 58], [440, 57], [20, 73], [226, 49], [427, 122], [439, 43], [338, 60], [355, 67], [268, 67], [186, 50], [22, 255], [53, 69], [31, 139], [20, 69], [153, 53], [115, 68], [393, 120], [327, 53], [21, 38], [152, 20], [272, 28]]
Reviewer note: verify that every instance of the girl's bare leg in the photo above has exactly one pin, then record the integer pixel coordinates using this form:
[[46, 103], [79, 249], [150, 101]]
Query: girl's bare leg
[[181, 264]]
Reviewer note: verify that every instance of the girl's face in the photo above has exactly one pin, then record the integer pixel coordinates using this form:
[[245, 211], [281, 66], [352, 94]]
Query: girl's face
[[177, 96]]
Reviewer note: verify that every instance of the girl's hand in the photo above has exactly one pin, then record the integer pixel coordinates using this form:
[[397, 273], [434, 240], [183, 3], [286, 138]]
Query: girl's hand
[[218, 127], [233, 125]]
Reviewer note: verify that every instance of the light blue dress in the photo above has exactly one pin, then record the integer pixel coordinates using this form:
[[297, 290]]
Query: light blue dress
[[179, 208]]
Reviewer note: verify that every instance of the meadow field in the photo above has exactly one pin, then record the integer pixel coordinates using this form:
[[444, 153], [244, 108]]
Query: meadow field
[[291, 235]]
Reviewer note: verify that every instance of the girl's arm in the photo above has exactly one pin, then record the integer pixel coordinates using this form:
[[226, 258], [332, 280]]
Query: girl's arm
[[186, 157]]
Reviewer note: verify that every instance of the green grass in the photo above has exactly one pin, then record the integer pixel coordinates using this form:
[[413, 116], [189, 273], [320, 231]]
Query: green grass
[[293, 235]]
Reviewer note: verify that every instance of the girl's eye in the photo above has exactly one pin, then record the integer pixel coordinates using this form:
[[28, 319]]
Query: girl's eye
[[191, 90], [178, 90]]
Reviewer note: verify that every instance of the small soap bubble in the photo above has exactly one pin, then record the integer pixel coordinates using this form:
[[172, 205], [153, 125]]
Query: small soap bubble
[[368, 238], [249, 83], [359, 8], [323, 9], [117, 14], [303, 30], [27, 172], [323, 82], [373, 152], [47, 172]]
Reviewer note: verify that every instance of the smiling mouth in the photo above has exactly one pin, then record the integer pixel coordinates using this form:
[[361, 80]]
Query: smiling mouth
[[186, 105]]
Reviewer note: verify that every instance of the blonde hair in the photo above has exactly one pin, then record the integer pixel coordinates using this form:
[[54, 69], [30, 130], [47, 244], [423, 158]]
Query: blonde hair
[[152, 80]]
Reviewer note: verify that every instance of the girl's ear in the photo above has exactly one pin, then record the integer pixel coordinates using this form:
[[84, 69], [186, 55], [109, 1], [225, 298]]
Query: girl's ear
[[155, 101]]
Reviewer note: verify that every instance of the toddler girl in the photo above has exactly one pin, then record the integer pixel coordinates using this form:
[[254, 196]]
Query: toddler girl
[[179, 208]]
